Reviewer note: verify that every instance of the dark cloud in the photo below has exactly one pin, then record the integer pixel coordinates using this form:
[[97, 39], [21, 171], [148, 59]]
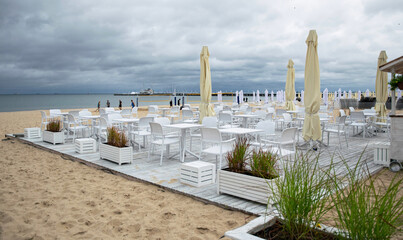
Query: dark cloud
[[123, 46]]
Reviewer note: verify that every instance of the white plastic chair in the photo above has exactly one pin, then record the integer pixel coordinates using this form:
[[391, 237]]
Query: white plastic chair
[[101, 129], [339, 130], [225, 120], [218, 147], [135, 111], [74, 126], [126, 113], [358, 121], [187, 116], [142, 130], [45, 120], [211, 122], [287, 138], [174, 113], [268, 132], [54, 113], [160, 138]]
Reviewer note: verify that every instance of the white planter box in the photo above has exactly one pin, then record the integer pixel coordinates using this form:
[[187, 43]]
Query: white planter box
[[53, 137], [115, 154], [244, 186], [197, 173], [85, 145], [246, 231], [32, 133], [381, 154]]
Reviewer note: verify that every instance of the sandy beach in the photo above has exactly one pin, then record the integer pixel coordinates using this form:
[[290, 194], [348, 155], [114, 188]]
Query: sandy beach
[[43, 196]]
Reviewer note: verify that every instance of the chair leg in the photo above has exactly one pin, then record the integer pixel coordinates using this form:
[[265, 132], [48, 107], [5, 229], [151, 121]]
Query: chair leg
[[162, 154]]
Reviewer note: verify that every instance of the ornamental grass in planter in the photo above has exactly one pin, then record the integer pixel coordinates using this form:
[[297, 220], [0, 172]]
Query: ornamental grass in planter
[[115, 148], [53, 133], [247, 181], [301, 196]]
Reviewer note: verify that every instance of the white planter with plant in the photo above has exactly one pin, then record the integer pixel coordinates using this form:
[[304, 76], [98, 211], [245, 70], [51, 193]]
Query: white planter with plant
[[115, 149], [254, 182], [53, 133]]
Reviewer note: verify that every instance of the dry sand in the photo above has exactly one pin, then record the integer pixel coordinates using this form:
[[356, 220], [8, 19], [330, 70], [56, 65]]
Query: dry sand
[[43, 196]]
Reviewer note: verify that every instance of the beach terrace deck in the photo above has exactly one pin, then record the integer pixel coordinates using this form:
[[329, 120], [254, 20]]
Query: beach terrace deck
[[167, 176]]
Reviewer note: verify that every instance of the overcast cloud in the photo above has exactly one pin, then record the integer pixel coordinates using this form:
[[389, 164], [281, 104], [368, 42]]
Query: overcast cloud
[[103, 46]]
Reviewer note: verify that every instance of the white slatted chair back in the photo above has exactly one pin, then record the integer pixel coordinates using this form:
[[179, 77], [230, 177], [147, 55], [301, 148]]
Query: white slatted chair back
[[126, 112], [210, 135], [113, 116], [84, 113], [44, 117], [54, 112], [187, 106], [211, 122], [287, 117], [267, 126], [71, 119], [156, 129], [153, 109], [187, 114], [357, 117], [135, 110], [351, 109], [226, 108], [369, 110], [279, 112], [342, 120], [76, 114], [225, 117], [288, 136], [163, 121], [102, 111], [103, 123], [271, 110], [144, 122]]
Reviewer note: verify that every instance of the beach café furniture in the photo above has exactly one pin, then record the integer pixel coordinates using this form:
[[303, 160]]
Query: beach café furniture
[[183, 127], [54, 113], [207, 122], [126, 113], [142, 130], [268, 132], [44, 121], [159, 137], [358, 121], [101, 129], [174, 113], [225, 120], [288, 137], [339, 129], [135, 111], [212, 143], [74, 126], [188, 116]]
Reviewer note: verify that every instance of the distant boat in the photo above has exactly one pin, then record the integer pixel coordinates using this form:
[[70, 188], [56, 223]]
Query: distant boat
[[134, 93], [147, 91]]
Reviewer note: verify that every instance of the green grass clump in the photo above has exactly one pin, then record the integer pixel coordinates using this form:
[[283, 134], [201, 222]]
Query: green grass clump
[[301, 194], [237, 158], [54, 125], [364, 210], [264, 164], [116, 138]]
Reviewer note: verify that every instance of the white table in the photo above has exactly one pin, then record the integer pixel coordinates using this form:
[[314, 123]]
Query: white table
[[239, 131], [93, 118], [183, 127], [128, 121], [245, 118]]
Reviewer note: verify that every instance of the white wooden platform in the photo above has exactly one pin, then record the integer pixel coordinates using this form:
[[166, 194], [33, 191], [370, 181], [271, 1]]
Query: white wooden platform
[[167, 176]]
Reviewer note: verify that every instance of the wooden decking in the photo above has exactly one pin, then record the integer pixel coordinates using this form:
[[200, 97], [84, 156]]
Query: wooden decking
[[167, 175]]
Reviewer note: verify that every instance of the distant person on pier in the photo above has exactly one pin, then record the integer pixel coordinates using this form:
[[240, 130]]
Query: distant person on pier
[[133, 105], [120, 104], [170, 103], [108, 104], [179, 102]]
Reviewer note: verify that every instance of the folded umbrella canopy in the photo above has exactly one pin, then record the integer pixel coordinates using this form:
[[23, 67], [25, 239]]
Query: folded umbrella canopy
[[206, 108], [381, 88], [311, 129], [290, 87]]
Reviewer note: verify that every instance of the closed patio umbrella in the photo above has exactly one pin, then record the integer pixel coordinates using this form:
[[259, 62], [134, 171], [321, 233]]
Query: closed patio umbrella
[[359, 95], [206, 108], [272, 96], [381, 88], [266, 96], [257, 96], [312, 129], [290, 87]]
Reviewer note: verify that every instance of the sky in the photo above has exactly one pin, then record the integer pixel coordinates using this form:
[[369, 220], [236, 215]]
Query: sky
[[120, 46]]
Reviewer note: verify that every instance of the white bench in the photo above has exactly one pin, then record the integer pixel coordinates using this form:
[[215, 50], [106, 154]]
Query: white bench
[[197, 173]]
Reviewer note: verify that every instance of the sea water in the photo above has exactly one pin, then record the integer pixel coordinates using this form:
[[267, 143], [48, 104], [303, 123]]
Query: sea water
[[19, 102]]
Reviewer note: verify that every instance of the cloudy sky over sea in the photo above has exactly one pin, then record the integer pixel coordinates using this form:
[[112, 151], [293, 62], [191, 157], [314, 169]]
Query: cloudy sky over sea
[[103, 46]]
